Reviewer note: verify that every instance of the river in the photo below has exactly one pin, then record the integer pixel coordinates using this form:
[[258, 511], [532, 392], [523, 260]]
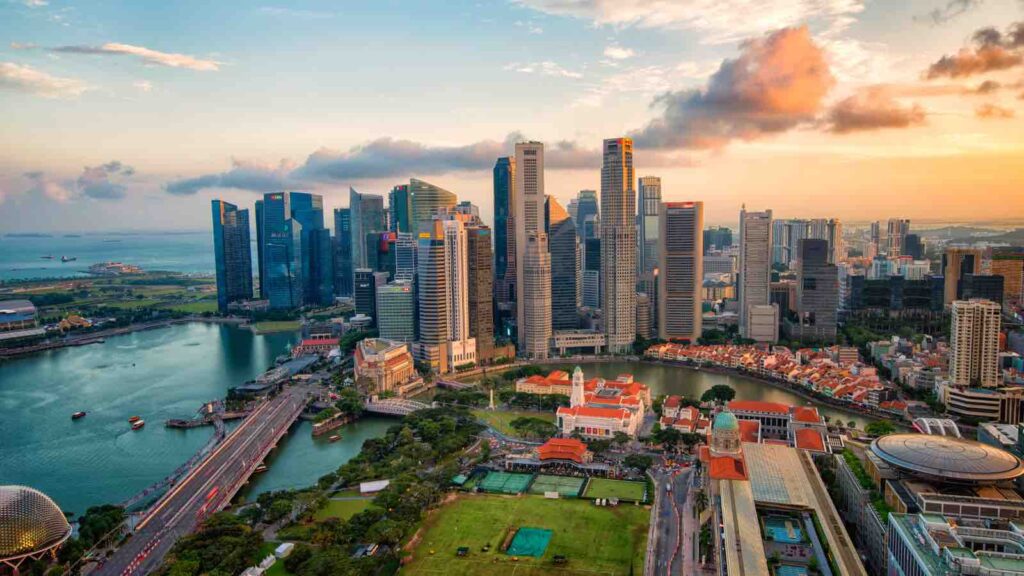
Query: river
[[156, 374]]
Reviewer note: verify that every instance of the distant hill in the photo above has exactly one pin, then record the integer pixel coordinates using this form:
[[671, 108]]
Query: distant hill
[[950, 232], [1013, 237]]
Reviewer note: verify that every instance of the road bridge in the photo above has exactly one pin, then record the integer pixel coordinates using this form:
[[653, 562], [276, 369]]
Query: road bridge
[[394, 406]]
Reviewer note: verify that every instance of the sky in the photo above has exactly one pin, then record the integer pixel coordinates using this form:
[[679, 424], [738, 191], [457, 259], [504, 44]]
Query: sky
[[133, 115]]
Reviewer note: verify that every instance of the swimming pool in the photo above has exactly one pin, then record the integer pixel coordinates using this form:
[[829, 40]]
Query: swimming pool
[[783, 529]]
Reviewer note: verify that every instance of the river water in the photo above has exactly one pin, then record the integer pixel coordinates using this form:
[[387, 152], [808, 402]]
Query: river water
[[156, 374]]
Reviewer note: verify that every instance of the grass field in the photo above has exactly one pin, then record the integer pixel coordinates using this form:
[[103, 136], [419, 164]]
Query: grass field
[[270, 326], [278, 568], [621, 489], [343, 509], [195, 307], [500, 419], [577, 526]]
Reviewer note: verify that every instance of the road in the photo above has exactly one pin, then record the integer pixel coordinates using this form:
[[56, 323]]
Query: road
[[208, 487], [673, 551]]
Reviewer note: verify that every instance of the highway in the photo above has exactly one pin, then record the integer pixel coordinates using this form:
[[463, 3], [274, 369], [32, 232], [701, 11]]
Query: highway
[[673, 553], [208, 487]]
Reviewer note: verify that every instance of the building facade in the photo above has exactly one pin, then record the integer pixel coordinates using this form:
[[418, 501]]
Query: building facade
[[618, 245], [755, 272], [974, 354], [343, 252], [427, 201], [533, 261], [367, 215], [566, 285], [396, 311], [232, 253], [681, 276], [432, 300], [481, 290]]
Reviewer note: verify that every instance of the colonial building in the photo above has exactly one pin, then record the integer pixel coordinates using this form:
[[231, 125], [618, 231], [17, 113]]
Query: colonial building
[[599, 408], [387, 364]]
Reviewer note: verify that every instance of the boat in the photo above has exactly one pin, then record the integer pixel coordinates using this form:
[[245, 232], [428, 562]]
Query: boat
[[335, 438], [260, 468], [78, 415], [134, 419], [47, 257], [68, 258], [138, 424]]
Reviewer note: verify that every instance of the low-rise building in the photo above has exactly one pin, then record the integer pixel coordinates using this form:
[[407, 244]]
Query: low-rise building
[[599, 408], [17, 315], [315, 346], [387, 364]]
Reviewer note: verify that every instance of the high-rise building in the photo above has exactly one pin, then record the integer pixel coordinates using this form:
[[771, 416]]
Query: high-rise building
[[472, 211], [289, 268], [232, 253], [367, 215], [974, 356], [592, 272], [647, 255], [319, 271], [786, 235], [643, 316], [533, 262], [405, 257], [681, 276], [504, 230], [618, 245], [896, 233], [343, 252], [432, 299], [755, 272], [874, 240], [427, 201], [913, 247], [1009, 263], [956, 262], [461, 345], [817, 292], [984, 286], [365, 292], [480, 289], [831, 231], [717, 238], [564, 246], [587, 211], [396, 311], [400, 209]]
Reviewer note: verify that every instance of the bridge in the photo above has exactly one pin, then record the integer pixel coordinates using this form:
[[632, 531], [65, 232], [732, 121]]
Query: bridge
[[208, 487], [393, 406]]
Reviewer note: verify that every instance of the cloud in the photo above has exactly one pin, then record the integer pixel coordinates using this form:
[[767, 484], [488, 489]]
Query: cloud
[[777, 83], [143, 85], [546, 68], [718, 21], [948, 11], [991, 51], [147, 55], [98, 182], [618, 53], [993, 112], [987, 87], [242, 176], [873, 108], [43, 185], [27, 79], [35, 3]]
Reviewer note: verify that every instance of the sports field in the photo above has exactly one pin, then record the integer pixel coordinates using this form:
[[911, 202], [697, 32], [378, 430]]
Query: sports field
[[595, 540], [343, 509], [622, 489], [566, 486], [504, 482]]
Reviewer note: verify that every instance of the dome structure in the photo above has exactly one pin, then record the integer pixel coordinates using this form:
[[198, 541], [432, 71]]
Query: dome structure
[[726, 420], [725, 434], [31, 524], [947, 459]]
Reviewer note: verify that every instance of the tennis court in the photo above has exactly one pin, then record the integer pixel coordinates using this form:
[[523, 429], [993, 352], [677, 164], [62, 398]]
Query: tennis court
[[530, 542], [564, 485], [624, 490], [505, 482]]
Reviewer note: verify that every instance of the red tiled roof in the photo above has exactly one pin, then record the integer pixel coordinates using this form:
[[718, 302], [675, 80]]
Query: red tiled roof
[[320, 342], [562, 449], [757, 406], [810, 439], [749, 430], [594, 412], [808, 414], [727, 468], [673, 401]]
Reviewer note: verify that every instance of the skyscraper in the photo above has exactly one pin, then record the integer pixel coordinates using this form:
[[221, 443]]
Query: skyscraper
[[648, 206], [319, 271], [480, 289], [461, 345], [432, 299], [405, 257], [831, 231], [367, 215], [427, 200], [755, 272], [564, 246], [974, 357], [586, 206], [292, 271], [897, 231], [365, 292], [817, 292], [956, 262], [232, 253], [400, 208], [533, 263], [618, 245], [592, 272], [396, 311], [681, 275], [717, 238], [259, 250], [504, 229], [343, 252]]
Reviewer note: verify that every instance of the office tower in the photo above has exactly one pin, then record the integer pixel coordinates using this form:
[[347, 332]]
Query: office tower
[[400, 209], [591, 227], [232, 253], [259, 250], [755, 273], [480, 289], [380, 252], [432, 298], [461, 345], [956, 262], [587, 210], [618, 245], [405, 256], [428, 200], [896, 232], [533, 263], [469, 209], [643, 316], [288, 265], [396, 311], [648, 205], [817, 292], [592, 273], [365, 292], [343, 252], [564, 246], [717, 238], [681, 276], [367, 215], [553, 213], [974, 355], [786, 235], [319, 287], [874, 240], [831, 231], [504, 230], [981, 286], [913, 247], [1009, 263]]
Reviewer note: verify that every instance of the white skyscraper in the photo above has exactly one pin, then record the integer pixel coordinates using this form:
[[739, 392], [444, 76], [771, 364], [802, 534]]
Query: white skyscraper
[[681, 276], [618, 244], [755, 274], [533, 262], [974, 359], [461, 347]]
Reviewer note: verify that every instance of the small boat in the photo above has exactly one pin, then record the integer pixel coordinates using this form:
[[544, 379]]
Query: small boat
[[48, 257], [134, 419], [68, 258], [335, 438], [138, 424], [260, 468], [78, 415]]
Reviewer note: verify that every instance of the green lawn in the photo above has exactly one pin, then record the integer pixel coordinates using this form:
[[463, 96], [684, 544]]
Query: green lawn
[[278, 568], [596, 540], [621, 489], [343, 509], [269, 326], [196, 307], [500, 419]]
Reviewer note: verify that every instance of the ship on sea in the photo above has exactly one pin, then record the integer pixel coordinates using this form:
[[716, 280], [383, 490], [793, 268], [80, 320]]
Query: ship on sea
[[68, 258]]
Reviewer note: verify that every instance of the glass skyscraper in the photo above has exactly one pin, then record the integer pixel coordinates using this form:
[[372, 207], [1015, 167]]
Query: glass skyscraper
[[400, 207], [367, 215], [342, 252], [427, 199], [232, 253], [295, 250]]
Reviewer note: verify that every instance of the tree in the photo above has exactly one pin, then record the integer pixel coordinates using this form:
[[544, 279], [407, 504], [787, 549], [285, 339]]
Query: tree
[[599, 446], [879, 428], [718, 393], [851, 424], [639, 461], [620, 438]]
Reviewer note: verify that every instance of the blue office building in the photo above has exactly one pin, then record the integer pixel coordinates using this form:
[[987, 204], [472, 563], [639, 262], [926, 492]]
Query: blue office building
[[296, 264], [232, 253], [343, 251]]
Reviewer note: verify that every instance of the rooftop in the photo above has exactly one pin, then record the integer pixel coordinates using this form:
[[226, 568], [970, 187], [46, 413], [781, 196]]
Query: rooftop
[[946, 458]]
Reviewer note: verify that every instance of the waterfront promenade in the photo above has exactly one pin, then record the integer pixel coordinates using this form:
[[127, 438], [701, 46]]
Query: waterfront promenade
[[208, 487]]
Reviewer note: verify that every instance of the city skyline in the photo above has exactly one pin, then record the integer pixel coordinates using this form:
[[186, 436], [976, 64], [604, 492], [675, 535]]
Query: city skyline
[[885, 106]]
